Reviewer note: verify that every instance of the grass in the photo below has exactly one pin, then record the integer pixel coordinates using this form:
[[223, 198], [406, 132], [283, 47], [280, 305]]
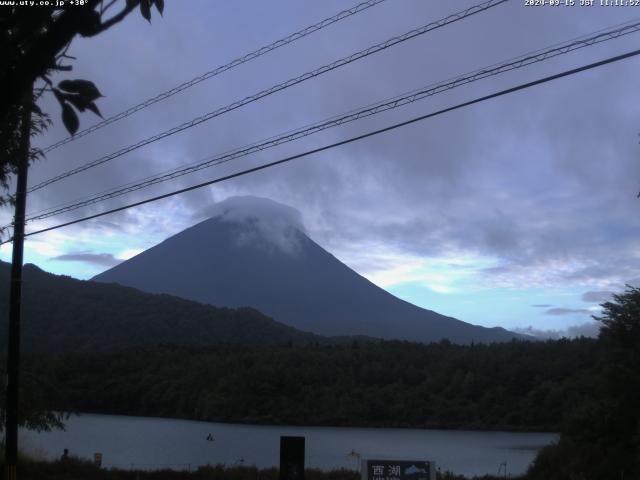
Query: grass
[[75, 469]]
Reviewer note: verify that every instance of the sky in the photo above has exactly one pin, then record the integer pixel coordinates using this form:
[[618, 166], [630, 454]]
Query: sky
[[519, 212]]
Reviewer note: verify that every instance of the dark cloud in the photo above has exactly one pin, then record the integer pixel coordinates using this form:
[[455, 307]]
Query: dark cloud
[[589, 329], [567, 311], [108, 226], [102, 259], [597, 296], [542, 182]]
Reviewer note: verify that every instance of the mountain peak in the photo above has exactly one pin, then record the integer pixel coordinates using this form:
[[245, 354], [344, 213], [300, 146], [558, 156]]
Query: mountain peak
[[263, 222], [249, 208], [253, 252]]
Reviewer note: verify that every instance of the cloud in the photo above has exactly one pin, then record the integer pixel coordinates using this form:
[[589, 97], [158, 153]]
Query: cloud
[[541, 305], [597, 296], [102, 259], [242, 208], [554, 207], [264, 221], [589, 329], [129, 253], [567, 311]]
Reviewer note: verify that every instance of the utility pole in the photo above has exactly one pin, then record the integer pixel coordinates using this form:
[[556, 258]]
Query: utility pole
[[15, 295]]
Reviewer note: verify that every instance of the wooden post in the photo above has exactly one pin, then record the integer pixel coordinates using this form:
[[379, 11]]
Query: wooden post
[[15, 295]]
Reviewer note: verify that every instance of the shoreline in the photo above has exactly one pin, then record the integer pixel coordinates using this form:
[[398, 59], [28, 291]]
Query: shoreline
[[499, 429]]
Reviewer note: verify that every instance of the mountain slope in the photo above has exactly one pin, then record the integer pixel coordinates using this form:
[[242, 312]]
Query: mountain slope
[[253, 252], [61, 314]]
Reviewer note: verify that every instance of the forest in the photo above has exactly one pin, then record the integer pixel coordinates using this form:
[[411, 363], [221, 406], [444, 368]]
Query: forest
[[173, 358], [587, 389], [509, 386]]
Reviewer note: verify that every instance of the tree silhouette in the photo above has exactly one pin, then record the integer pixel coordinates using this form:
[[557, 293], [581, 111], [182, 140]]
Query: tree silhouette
[[34, 42], [601, 439]]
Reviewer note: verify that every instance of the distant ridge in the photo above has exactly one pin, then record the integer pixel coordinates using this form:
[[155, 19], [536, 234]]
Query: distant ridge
[[62, 314], [254, 252]]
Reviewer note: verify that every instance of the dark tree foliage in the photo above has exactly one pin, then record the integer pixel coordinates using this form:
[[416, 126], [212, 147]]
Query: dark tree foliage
[[35, 393], [62, 314], [34, 43], [514, 386], [601, 440], [78, 469]]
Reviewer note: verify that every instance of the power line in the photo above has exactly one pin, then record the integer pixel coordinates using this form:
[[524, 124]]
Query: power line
[[405, 99], [281, 86], [344, 142], [218, 70], [598, 36]]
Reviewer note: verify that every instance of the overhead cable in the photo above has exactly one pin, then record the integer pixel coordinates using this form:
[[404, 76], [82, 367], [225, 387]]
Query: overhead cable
[[217, 71], [343, 142], [404, 99], [276, 88]]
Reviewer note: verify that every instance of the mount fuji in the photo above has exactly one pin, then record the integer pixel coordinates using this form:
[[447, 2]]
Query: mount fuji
[[255, 252]]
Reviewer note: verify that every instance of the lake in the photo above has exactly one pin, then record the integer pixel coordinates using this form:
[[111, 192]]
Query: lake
[[152, 443]]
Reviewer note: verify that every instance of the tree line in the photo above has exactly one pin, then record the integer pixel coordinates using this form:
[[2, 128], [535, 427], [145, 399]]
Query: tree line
[[509, 386], [587, 389]]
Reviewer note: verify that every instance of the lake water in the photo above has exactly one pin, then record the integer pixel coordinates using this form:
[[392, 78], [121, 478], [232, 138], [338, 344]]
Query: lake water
[[151, 443]]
